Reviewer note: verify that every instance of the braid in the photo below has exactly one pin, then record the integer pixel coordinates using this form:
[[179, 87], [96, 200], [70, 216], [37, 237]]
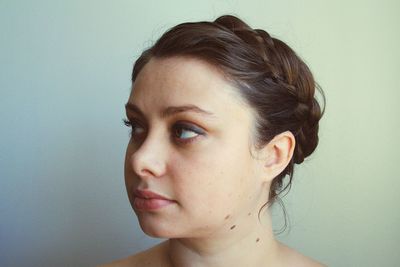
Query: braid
[[269, 75], [283, 69]]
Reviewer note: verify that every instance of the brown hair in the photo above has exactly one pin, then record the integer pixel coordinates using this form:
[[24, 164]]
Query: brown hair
[[272, 79]]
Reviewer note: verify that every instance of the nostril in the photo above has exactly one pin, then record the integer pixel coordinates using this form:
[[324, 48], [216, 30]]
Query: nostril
[[147, 167], [148, 160]]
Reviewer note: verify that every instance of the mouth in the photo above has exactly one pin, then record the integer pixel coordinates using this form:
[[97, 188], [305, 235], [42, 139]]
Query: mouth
[[146, 200]]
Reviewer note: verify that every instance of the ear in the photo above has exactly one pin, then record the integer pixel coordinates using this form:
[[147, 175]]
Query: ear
[[277, 154]]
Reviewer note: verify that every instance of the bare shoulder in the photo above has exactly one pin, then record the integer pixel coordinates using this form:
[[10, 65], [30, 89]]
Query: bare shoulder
[[294, 258], [154, 256]]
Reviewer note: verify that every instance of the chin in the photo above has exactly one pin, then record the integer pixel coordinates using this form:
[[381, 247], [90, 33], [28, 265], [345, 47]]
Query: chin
[[153, 232], [156, 228]]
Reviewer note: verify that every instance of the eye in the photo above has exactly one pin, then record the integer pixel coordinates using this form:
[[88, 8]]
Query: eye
[[182, 132], [135, 127], [186, 132]]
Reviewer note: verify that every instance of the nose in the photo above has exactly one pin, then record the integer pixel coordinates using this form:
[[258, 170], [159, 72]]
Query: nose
[[148, 160]]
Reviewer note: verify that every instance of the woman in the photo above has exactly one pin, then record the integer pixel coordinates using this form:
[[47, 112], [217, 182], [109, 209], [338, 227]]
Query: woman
[[220, 113]]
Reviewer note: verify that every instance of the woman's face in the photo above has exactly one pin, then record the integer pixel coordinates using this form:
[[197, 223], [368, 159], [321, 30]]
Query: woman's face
[[188, 167]]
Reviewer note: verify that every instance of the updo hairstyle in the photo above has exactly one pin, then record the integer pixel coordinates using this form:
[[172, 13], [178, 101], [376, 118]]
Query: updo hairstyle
[[269, 76]]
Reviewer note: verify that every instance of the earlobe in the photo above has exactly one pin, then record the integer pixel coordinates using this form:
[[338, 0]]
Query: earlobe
[[279, 152]]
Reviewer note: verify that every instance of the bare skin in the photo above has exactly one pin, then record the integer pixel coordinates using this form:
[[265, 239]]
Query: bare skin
[[216, 183], [158, 256]]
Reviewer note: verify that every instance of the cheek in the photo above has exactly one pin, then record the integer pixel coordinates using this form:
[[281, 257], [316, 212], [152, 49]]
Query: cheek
[[212, 184], [128, 173], [127, 164]]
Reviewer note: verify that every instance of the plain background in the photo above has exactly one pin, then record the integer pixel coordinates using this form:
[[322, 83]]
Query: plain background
[[65, 76]]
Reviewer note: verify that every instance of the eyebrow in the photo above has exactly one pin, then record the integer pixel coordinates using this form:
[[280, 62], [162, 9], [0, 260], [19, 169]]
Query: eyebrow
[[171, 110]]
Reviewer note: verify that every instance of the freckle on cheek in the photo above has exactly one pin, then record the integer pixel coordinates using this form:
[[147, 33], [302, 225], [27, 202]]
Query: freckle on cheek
[[227, 217], [233, 226], [249, 213], [258, 239]]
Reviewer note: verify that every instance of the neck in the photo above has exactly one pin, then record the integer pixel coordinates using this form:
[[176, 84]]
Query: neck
[[247, 244]]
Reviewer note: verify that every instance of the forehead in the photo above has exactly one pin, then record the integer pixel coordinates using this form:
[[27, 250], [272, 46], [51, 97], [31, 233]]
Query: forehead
[[183, 80]]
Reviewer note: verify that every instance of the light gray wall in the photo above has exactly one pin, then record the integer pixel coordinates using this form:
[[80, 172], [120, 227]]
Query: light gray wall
[[65, 75]]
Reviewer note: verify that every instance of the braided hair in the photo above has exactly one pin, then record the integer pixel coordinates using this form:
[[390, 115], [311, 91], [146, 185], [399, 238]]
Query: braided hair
[[270, 77]]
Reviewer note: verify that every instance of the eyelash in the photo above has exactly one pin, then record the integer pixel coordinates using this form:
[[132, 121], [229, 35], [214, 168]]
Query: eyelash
[[179, 126]]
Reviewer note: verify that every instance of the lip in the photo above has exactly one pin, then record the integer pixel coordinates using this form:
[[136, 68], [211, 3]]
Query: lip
[[146, 200]]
